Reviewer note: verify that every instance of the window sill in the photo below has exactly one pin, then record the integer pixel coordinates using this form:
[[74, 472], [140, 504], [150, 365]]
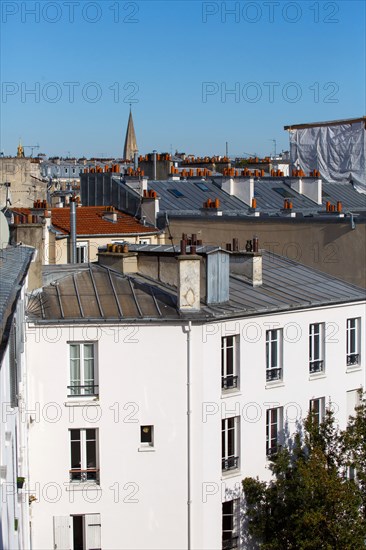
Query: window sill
[[353, 368], [85, 486], [146, 449], [229, 393], [226, 474], [274, 384], [317, 376], [82, 401]]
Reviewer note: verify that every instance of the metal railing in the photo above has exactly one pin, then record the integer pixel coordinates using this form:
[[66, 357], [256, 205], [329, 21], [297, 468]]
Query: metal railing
[[274, 374], [316, 366], [352, 359], [90, 474], [229, 382], [230, 463], [230, 543], [77, 390]]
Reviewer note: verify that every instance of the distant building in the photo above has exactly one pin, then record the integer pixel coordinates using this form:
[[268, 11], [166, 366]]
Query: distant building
[[336, 148], [26, 183], [14, 473]]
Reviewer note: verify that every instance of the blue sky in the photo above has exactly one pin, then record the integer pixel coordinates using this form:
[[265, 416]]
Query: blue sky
[[284, 63]]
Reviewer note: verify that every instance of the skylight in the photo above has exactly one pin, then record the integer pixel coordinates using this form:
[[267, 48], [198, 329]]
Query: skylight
[[201, 185], [284, 192], [176, 193]]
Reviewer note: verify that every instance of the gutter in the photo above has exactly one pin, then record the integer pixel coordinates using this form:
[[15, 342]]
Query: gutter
[[113, 235]]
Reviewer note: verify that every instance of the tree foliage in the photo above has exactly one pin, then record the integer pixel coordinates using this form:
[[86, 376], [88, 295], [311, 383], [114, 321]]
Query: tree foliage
[[311, 502]]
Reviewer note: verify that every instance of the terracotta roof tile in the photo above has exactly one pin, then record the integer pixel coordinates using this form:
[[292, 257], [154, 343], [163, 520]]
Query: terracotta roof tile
[[90, 221]]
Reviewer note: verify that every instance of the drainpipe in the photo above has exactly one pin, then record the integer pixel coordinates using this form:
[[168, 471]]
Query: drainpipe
[[72, 232], [189, 412], [154, 158]]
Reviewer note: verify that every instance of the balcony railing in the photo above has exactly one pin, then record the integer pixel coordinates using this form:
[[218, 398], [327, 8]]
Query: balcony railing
[[229, 382], [90, 474], [316, 366], [352, 359], [230, 463], [274, 374], [229, 543], [87, 389]]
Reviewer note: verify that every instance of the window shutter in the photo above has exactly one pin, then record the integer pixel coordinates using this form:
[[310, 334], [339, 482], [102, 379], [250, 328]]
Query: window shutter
[[92, 532], [62, 532]]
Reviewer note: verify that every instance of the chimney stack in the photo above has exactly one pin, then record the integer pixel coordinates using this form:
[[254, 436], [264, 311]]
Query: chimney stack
[[248, 263], [189, 298], [72, 232]]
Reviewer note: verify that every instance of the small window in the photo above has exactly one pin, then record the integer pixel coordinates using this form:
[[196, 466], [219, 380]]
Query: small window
[[229, 363], [82, 370], [230, 429], [273, 355], [230, 524], [353, 342], [317, 407], [82, 253], [147, 436], [274, 420], [316, 348], [176, 193], [84, 455], [201, 185], [65, 170]]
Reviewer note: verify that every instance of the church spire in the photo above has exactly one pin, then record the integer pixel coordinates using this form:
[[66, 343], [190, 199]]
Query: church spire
[[130, 141]]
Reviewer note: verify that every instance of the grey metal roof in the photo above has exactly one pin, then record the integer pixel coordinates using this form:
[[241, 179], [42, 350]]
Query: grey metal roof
[[193, 197], [14, 264], [95, 293]]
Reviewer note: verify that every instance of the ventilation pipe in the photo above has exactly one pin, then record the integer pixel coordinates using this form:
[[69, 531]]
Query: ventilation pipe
[[136, 160], [72, 232], [154, 160]]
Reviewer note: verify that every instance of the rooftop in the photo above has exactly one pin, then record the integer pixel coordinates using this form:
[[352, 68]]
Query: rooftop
[[91, 220], [91, 292]]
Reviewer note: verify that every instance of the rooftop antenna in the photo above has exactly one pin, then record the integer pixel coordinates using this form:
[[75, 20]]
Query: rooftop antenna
[[227, 150], [32, 147], [274, 147]]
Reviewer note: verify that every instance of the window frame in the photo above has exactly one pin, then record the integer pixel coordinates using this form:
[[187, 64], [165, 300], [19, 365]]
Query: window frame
[[316, 344], [95, 387], [317, 407], [230, 437], [87, 474], [270, 423], [232, 540], [82, 246], [149, 443], [353, 351], [230, 371], [274, 369]]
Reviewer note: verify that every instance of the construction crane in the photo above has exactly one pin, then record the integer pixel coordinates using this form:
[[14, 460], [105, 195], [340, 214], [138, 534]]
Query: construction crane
[[32, 147]]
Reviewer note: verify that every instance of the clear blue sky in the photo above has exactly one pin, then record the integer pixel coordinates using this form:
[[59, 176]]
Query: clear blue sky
[[285, 62]]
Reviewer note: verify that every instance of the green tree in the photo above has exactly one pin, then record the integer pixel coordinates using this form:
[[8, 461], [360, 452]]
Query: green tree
[[353, 442], [310, 503]]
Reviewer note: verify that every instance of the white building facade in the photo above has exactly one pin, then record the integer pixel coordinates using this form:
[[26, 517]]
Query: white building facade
[[142, 428]]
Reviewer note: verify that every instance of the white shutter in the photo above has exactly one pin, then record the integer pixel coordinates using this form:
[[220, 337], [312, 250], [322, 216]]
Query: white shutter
[[62, 532], [92, 532]]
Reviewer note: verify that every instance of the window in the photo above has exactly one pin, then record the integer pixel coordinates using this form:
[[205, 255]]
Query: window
[[79, 532], [229, 362], [230, 443], [147, 436], [273, 429], [82, 370], [144, 240], [317, 407], [84, 455], [230, 524], [201, 186], [273, 355], [353, 344], [82, 255], [176, 193], [316, 348]]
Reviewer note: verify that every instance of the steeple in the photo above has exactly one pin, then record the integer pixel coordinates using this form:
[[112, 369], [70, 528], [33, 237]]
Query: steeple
[[20, 150], [130, 141]]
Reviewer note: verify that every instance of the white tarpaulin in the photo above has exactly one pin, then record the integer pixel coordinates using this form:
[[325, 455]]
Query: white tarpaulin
[[338, 151]]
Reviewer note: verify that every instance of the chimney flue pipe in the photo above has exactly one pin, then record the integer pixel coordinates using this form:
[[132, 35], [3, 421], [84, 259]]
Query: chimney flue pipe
[[72, 232]]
